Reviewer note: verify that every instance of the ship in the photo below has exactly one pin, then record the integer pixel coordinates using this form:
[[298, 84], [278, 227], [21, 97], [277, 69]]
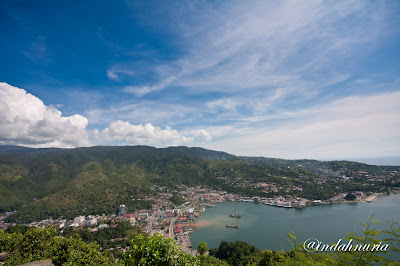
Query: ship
[[232, 226], [235, 215]]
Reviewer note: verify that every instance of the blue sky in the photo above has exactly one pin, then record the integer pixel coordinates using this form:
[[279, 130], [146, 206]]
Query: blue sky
[[288, 79]]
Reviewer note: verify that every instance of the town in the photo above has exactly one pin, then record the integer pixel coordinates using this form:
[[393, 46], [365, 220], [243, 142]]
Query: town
[[177, 221]]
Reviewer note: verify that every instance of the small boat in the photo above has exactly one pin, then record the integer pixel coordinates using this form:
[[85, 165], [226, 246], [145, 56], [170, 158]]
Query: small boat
[[287, 205], [235, 215], [232, 226]]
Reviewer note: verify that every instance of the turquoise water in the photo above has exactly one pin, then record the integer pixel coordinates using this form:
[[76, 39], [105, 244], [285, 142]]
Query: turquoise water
[[266, 227]]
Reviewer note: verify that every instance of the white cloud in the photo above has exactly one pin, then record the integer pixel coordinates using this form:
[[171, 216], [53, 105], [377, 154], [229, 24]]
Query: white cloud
[[145, 111], [142, 90], [348, 128], [263, 45], [198, 135], [223, 103], [26, 120], [112, 73], [145, 134]]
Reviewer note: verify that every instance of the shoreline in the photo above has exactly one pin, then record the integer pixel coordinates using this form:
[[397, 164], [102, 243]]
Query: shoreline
[[371, 197]]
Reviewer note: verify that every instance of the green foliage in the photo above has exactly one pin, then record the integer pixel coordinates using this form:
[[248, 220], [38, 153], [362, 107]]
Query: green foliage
[[211, 261], [43, 243], [70, 251], [238, 253], [392, 234], [244, 254], [156, 250], [368, 237], [39, 243], [202, 248], [17, 229], [350, 196], [176, 199]]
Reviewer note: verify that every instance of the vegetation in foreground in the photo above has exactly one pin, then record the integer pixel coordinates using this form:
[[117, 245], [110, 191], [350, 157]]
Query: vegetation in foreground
[[23, 246]]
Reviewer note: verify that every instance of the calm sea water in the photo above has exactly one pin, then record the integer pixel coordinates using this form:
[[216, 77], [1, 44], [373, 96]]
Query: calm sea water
[[266, 227]]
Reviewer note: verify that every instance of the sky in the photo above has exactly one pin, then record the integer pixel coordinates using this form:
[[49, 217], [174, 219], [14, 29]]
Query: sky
[[285, 79]]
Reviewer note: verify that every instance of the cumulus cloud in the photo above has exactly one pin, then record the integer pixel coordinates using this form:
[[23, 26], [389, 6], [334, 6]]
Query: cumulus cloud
[[199, 135], [144, 134], [26, 120]]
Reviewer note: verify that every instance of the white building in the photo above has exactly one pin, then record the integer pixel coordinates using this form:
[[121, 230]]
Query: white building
[[79, 220], [92, 222]]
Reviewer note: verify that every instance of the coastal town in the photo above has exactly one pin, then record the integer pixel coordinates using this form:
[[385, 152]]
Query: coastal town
[[178, 221]]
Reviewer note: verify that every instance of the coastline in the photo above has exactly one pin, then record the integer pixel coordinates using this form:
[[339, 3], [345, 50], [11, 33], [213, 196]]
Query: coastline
[[370, 197], [262, 221]]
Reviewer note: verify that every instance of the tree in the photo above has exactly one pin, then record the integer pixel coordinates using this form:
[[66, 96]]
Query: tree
[[202, 248], [17, 229], [238, 253], [350, 196], [156, 250], [43, 243], [176, 199], [212, 261], [361, 248], [368, 237]]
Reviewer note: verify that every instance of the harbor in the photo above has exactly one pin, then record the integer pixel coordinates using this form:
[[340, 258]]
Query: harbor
[[267, 227]]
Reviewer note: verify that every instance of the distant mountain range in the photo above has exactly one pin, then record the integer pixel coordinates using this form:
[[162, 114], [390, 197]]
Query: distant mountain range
[[42, 183]]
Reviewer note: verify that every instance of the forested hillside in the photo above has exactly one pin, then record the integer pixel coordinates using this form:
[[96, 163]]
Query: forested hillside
[[42, 183]]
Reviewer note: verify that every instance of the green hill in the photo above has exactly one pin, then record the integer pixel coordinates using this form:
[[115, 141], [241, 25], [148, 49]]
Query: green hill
[[42, 183]]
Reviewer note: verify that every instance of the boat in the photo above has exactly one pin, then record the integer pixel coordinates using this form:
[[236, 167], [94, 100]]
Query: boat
[[232, 226], [235, 215]]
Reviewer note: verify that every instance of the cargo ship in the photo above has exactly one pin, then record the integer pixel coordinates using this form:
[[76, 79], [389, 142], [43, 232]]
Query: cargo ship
[[232, 226]]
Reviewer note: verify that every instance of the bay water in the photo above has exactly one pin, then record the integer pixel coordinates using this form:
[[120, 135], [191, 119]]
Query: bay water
[[267, 227]]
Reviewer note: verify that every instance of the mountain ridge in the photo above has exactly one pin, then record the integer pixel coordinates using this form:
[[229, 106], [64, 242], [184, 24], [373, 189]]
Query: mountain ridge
[[52, 182]]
